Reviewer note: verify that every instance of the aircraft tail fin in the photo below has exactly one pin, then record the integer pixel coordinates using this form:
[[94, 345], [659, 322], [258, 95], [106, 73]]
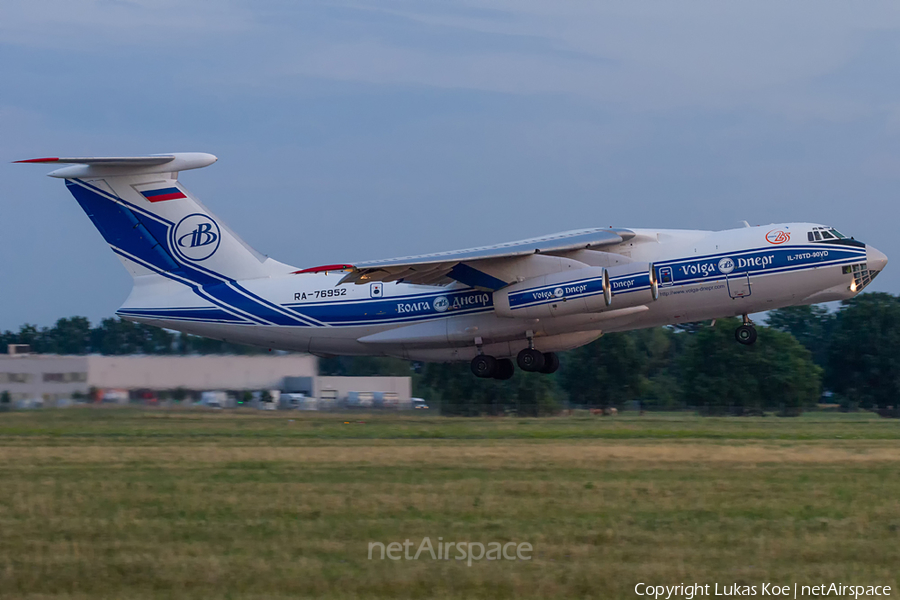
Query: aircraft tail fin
[[154, 224]]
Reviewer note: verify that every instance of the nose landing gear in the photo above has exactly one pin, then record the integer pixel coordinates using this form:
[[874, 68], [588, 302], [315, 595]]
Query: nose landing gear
[[745, 334]]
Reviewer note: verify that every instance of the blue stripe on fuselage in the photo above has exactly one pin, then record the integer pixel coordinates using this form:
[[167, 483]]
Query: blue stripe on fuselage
[[143, 237], [755, 262], [438, 304]]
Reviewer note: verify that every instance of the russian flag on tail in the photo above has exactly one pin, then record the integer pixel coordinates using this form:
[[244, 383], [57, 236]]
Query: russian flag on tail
[[171, 193]]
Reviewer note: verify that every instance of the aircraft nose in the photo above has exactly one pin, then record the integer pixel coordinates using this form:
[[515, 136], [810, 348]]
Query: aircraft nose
[[875, 260]]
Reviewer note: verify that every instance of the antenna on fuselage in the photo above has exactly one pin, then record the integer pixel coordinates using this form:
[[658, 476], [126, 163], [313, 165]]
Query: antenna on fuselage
[[746, 224]]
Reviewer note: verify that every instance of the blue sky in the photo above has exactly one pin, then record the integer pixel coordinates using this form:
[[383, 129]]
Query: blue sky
[[364, 130]]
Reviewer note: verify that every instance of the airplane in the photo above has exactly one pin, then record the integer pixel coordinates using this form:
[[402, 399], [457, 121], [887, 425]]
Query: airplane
[[526, 300]]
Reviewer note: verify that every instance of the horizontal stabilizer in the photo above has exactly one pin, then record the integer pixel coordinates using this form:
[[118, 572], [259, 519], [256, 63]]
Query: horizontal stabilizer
[[114, 166], [112, 161]]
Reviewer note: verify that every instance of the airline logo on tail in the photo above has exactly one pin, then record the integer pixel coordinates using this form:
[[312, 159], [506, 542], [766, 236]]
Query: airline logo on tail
[[196, 237]]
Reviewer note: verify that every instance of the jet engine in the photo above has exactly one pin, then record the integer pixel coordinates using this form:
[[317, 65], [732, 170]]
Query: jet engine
[[592, 289], [633, 284]]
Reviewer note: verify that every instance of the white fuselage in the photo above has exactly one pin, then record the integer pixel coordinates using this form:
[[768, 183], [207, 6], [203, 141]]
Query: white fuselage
[[700, 275]]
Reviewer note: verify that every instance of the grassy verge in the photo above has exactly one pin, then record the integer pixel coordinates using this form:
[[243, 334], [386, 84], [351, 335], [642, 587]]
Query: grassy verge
[[121, 503], [200, 426]]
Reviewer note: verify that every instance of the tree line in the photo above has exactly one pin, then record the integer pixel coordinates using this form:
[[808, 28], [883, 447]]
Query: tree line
[[115, 336], [852, 354]]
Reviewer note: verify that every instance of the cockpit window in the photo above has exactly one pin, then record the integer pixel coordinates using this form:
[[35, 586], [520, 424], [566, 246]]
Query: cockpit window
[[830, 235]]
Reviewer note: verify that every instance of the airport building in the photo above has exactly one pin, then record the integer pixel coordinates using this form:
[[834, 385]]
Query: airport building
[[48, 379], [354, 392]]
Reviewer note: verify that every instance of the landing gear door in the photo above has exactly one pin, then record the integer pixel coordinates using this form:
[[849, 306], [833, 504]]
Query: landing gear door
[[738, 285]]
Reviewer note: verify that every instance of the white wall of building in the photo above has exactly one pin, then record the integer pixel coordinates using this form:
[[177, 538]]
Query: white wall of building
[[342, 386], [198, 372], [52, 377], [43, 376]]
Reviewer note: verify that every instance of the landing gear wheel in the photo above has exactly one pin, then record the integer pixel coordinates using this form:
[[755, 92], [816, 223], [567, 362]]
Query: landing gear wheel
[[530, 360], [484, 366], [505, 369], [551, 363], [745, 334]]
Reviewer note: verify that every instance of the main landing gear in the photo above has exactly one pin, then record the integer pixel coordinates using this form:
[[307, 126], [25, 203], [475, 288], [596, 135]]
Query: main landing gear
[[488, 367], [745, 334], [529, 359]]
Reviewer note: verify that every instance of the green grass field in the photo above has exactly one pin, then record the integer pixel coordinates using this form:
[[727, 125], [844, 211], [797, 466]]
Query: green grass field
[[122, 503]]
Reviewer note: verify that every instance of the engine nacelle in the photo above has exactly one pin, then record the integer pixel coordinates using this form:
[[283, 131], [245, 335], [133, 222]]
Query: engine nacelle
[[555, 295], [633, 284], [593, 289]]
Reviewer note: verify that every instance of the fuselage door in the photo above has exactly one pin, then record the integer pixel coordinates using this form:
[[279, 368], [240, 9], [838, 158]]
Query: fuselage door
[[738, 285]]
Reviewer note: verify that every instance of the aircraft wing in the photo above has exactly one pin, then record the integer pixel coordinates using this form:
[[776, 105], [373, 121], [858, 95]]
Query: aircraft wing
[[442, 268]]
